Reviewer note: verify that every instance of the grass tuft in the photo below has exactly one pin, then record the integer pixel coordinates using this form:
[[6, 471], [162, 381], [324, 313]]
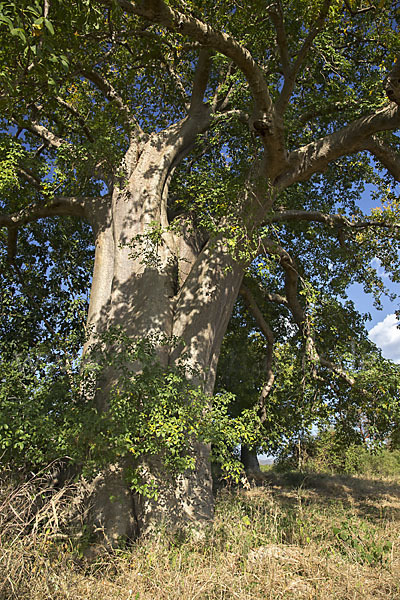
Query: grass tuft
[[313, 537]]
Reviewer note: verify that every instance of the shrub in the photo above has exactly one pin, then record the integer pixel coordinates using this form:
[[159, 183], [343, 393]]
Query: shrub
[[329, 452]]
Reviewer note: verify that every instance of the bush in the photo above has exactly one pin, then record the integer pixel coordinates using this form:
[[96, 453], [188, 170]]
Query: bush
[[329, 453]]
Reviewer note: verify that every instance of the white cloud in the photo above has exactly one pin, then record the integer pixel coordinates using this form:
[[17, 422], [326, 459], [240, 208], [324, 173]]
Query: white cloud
[[387, 336], [376, 264]]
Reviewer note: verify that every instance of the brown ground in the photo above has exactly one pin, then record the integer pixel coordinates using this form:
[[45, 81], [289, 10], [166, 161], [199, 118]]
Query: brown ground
[[319, 537]]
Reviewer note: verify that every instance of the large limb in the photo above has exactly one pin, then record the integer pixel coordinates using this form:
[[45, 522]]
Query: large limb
[[61, 206], [316, 156], [269, 336], [275, 12], [201, 77]]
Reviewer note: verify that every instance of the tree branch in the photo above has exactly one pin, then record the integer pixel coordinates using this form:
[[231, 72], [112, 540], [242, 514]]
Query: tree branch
[[316, 156], [61, 206], [45, 134], [200, 81], [269, 336], [338, 221], [241, 116], [291, 280], [291, 73], [272, 297], [30, 177], [265, 122], [113, 96], [359, 11]]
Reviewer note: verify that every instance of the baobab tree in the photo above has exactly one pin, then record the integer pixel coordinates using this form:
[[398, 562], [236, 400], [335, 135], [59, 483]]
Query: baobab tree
[[193, 138]]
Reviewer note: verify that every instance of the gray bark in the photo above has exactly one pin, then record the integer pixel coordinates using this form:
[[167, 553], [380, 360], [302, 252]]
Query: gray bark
[[176, 288]]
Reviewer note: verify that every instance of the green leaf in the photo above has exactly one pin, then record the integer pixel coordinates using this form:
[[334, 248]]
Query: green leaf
[[49, 26], [18, 32]]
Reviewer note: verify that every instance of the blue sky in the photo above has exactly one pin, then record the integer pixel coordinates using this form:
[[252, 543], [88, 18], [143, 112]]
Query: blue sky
[[382, 328]]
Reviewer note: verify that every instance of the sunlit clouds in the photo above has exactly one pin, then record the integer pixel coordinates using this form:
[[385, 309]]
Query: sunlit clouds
[[386, 335]]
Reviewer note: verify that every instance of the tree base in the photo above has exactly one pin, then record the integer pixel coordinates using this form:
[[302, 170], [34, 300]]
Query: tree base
[[181, 503]]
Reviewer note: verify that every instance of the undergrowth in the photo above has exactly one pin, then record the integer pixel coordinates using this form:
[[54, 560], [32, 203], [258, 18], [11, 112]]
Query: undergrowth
[[322, 537]]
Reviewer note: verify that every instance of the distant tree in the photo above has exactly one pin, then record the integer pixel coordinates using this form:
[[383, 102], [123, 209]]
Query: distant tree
[[193, 140]]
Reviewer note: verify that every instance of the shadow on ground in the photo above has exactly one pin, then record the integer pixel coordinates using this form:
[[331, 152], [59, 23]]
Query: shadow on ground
[[373, 498]]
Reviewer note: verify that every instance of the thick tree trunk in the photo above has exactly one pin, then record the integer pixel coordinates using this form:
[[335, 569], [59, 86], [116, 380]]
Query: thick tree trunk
[[250, 461], [173, 288]]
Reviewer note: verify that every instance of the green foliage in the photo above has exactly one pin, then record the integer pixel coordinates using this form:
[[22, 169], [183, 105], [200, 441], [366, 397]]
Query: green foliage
[[49, 411], [359, 540], [35, 399], [10, 156], [331, 451]]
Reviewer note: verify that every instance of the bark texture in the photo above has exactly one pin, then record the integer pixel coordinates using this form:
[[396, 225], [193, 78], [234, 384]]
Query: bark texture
[[175, 286]]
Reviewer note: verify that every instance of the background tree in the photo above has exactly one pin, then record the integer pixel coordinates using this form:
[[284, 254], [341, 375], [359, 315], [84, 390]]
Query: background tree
[[190, 142], [299, 400]]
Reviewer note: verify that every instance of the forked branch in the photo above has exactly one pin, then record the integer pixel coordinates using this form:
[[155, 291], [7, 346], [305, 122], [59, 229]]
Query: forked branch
[[316, 156], [113, 96], [157, 11]]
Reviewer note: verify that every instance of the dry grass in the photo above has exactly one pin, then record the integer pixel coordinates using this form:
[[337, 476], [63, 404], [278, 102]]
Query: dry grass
[[323, 538]]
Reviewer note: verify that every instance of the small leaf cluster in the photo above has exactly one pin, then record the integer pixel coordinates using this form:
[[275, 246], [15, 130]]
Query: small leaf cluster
[[50, 410], [359, 540]]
